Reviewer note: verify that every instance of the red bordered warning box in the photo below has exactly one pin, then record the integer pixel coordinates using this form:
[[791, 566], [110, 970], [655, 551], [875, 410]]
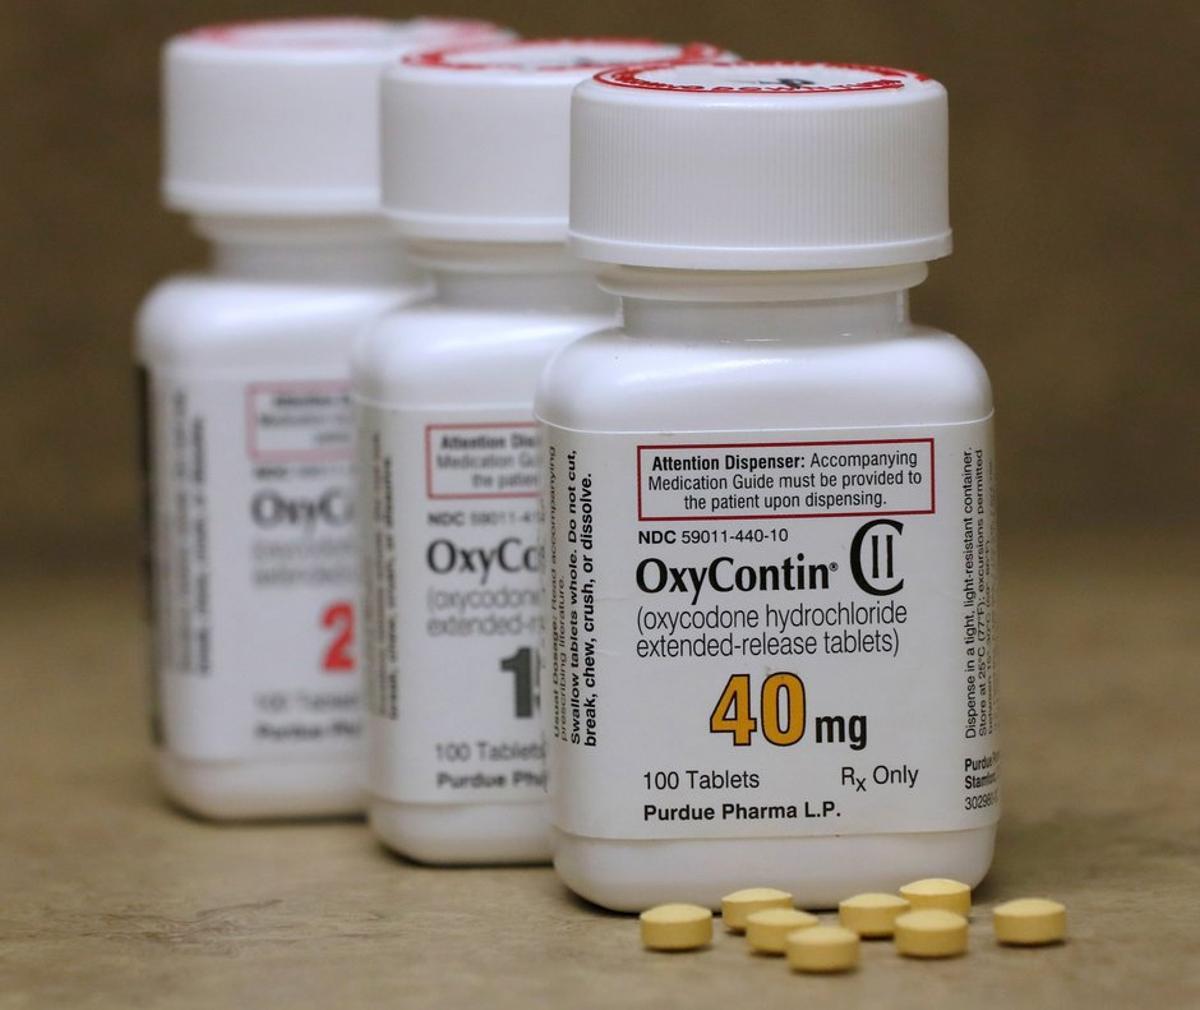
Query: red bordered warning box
[[481, 460], [807, 480], [299, 422]]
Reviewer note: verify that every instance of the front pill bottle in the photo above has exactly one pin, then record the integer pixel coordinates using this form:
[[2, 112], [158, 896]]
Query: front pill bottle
[[769, 499], [271, 147], [475, 156]]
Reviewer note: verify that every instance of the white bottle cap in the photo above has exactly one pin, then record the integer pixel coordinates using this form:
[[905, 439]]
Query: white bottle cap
[[282, 117], [476, 139], [759, 166]]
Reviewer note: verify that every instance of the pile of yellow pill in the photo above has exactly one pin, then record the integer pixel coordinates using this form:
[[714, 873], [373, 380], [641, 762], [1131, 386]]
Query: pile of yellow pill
[[736, 907], [926, 919], [768, 929], [823, 949], [1030, 922], [931, 932], [939, 893], [676, 927], [872, 915]]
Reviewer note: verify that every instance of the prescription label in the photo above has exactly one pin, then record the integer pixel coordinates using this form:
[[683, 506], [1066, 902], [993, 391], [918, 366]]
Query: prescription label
[[253, 566], [452, 604], [770, 636]]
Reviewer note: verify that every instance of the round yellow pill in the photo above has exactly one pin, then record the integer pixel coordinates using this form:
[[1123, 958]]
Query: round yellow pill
[[1029, 922], [676, 927], [872, 914], [767, 930], [736, 906], [938, 892], [931, 932], [823, 948]]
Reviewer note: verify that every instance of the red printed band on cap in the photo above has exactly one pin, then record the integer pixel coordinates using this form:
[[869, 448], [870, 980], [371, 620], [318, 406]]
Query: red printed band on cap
[[335, 32], [540, 55], [754, 77]]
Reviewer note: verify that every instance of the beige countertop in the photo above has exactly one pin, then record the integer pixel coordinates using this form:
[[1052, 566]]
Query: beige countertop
[[108, 898]]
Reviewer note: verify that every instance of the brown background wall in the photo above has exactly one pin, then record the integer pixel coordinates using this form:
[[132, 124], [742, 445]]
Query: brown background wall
[[1074, 173]]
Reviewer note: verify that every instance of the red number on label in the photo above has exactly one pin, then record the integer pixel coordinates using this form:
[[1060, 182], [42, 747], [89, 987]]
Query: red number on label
[[338, 658]]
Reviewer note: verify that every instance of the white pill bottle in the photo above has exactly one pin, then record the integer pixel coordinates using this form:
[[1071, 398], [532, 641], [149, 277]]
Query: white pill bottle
[[475, 176], [769, 499], [271, 146]]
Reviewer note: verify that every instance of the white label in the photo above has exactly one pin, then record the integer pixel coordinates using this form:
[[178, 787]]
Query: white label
[[254, 566], [778, 636], [452, 604]]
